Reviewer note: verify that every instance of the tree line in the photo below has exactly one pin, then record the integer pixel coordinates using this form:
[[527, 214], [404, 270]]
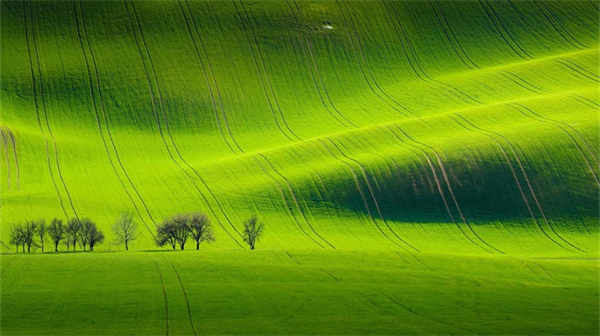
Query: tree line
[[72, 233], [84, 233]]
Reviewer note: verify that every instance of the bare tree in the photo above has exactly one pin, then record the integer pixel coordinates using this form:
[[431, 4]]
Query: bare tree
[[56, 231], [182, 230], [17, 236], [72, 232], [200, 229], [86, 232], [41, 232], [253, 229], [125, 229], [165, 234], [93, 235], [29, 234], [173, 231]]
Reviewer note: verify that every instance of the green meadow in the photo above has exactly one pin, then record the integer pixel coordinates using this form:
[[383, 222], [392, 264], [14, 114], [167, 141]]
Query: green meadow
[[420, 167]]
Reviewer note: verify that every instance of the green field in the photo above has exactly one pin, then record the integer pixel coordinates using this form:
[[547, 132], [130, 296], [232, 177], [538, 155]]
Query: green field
[[420, 167]]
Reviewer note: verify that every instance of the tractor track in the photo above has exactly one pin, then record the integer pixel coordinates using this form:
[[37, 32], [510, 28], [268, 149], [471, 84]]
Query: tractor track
[[160, 114], [316, 76], [35, 98], [363, 63], [295, 199], [83, 35], [558, 27], [286, 203], [165, 298], [470, 126], [398, 241], [503, 31], [420, 146], [211, 81], [262, 74], [185, 297], [530, 113]]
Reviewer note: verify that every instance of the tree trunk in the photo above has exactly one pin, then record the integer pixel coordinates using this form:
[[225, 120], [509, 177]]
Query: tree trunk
[[74, 242], [182, 245], [91, 248], [126, 246], [28, 248], [198, 244], [42, 246], [55, 246]]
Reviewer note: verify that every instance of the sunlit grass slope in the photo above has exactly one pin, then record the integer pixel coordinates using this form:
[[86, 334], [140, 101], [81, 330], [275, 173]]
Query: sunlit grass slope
[[412, 162], [424, 126]]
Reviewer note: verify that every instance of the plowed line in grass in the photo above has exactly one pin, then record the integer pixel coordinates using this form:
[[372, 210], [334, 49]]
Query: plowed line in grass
[[35, 100], [45, 112], [83, 35], [398, 241], [365, 176], [185, 297], [165, 298], [413, 61], [558, 27], [452, 39], [285, 201], [364, 67], [422, 145], [316, 75], [412, 148], [211, 81], [10, 147], [261, 70], [579, 70], [6, 156], [502, 30], [470, 126], [295, 199], [160, 113], [565, 128]]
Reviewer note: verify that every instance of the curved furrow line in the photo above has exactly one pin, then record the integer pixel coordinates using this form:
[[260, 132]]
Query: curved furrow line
[[165, 298], [516, 150], [440, 190], [420, 146], [262, 74], [100, 112], [36, 102], [518, 80], [6, 156], [452, 195], [413, 60], [559, 28], [579, 70], [13, 145], [361, 193], [364, 67], [45, 113], [160, 113], [470, 126], [215, 95], [586, 101], [285, 201], [365, 177], [295, 199], [503, 31], [316, 74], [452, 39], [426, 317], [185, 297], [526, 111]]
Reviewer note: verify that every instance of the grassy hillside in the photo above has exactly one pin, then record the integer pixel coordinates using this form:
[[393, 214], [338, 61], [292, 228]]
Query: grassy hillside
[[453, 130]]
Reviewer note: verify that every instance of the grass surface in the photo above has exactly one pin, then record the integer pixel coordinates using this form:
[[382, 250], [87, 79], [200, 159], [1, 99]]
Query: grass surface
[[461, 134]]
